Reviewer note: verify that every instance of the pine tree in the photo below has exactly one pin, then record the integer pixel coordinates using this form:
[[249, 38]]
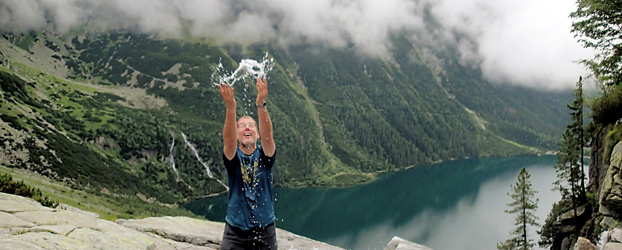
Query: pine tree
[[570, 166], [523, 205], [578, 131]]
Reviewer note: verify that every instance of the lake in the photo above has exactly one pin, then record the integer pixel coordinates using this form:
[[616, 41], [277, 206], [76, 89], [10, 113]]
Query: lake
[[450, 205]]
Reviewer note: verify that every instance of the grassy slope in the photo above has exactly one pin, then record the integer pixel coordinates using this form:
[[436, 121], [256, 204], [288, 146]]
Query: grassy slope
[[108, 206]]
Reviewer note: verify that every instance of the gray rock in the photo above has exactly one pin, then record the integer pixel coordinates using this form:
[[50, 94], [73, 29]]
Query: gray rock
[[287, 240], [182, 229], [9, 243], [609, 222], [613, 246], [58, 217], [14, 203], [567, 218], [92, 237], [209, 234], [50, 241], [584, 244], [25, 224], [398, 243], [129, 237], [610, 197], [615, 235], [9, 220], [75, 210], [55, 229], [166, 244]]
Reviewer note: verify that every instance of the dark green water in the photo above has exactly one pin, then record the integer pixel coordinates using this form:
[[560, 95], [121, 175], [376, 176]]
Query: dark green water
[[452, 205]]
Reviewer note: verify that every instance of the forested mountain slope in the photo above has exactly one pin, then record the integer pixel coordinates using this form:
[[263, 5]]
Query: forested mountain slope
[[110, 111]]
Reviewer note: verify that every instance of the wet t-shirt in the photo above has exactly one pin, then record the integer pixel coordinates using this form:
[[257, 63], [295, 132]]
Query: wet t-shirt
[[251, 201]]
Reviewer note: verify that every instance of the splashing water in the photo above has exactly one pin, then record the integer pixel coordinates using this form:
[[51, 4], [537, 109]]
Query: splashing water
[[246, 68]]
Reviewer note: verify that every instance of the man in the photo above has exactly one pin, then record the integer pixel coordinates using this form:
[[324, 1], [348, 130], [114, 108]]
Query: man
[[250, 213]]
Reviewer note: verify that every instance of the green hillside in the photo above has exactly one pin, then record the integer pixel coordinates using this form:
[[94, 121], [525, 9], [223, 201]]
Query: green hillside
[[107, 111]]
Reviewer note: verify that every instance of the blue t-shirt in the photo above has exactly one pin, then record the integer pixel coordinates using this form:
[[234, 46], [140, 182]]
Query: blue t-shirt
[[251, 201]]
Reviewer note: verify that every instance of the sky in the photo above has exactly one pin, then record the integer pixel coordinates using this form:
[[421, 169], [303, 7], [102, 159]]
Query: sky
[[526, 42]]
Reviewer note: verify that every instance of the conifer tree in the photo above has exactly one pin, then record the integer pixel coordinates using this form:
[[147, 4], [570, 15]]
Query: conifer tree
[[523, 205], [578, 131], [570, 166]]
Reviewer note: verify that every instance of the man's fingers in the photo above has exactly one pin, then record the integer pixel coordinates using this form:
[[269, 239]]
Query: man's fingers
[[258, 81]]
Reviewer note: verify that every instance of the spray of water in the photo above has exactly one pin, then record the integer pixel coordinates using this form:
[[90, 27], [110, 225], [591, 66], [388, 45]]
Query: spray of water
[[246, 68]]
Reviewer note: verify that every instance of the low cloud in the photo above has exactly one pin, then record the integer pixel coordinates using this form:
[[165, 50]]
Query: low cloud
[[521, 42], [526, 42]]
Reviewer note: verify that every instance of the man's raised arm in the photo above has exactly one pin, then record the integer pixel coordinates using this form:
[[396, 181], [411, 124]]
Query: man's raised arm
[[230, 137], [265, 124]]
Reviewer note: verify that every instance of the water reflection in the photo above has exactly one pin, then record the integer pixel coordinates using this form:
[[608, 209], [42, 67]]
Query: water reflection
[[453, 205]]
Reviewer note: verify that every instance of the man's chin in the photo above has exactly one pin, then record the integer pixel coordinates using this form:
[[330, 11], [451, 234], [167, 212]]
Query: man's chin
[[247, 143]]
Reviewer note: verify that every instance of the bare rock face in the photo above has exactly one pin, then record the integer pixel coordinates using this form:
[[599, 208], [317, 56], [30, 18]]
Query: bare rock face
[[611, 191], [209, 234], [25, 224], [610, 201]]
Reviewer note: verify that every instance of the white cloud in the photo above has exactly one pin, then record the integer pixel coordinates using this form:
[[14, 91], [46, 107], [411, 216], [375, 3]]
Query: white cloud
[[520, 42]]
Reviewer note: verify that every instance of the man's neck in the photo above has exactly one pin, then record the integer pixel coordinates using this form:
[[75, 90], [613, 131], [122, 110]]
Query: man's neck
[[248, 149]]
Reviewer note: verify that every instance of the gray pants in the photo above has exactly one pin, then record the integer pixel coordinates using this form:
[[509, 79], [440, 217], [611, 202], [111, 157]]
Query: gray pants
[[262, 238]]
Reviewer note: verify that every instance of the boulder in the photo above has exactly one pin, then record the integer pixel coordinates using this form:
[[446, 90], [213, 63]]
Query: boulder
[[567, 218], [584, 244], [398, 243], [615, 235], [613, 246]]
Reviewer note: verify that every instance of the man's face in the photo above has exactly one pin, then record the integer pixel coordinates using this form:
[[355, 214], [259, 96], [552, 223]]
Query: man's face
[[247, 131]]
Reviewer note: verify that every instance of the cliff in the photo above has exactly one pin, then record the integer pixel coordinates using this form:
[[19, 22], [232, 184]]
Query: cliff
[[609, 214], [601, 219]]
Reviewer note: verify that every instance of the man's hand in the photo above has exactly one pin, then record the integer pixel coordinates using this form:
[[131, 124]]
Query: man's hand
[[262, 91], [226, 91]]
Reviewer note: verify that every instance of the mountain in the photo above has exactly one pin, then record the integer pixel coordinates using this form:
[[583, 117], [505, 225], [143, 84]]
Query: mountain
[[119, 112]]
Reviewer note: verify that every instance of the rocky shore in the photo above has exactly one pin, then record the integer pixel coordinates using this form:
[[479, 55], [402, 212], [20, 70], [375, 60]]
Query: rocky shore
[[26, 224]]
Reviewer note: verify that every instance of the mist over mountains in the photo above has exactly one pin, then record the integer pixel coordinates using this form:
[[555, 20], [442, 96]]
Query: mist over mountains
[[525, 43]]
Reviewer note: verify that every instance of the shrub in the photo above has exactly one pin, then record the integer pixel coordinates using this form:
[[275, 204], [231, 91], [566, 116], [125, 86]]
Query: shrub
[[606, 109], [8, 185]]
